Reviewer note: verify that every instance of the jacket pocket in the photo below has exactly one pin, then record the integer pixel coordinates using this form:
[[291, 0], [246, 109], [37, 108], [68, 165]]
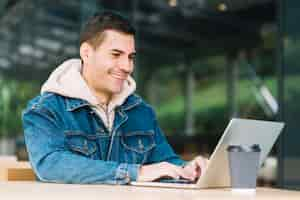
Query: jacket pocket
[[81, 143], [139, 142]]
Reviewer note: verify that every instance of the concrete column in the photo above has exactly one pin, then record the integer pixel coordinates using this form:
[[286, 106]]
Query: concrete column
[[189, 87], [232, 80]]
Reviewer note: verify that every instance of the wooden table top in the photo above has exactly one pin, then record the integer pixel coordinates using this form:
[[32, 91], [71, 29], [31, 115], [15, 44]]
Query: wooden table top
[[42, 191]]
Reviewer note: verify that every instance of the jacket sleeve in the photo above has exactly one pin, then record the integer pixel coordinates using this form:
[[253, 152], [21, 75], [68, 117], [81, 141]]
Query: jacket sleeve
[[53, 162], [163, 151]]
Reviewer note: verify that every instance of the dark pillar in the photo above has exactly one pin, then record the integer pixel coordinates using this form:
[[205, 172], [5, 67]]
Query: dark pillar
[[232, 79], [289, 93]]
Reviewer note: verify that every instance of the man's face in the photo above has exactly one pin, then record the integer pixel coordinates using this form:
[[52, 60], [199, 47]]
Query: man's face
[[108, 66]]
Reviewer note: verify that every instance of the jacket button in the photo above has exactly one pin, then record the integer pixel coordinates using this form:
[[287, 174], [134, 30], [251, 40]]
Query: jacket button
[[141, 146], [127, 178]]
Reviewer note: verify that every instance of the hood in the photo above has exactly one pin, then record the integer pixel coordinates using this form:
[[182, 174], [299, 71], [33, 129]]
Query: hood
[[66, 80]]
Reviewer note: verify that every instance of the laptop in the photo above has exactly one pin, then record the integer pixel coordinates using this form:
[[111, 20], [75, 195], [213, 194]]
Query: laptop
[[237, 132]]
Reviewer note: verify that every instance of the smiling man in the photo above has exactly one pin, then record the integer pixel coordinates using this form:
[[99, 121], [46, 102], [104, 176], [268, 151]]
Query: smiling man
[[88, 125]]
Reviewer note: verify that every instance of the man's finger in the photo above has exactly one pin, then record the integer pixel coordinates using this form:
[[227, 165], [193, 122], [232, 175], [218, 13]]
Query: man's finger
[[186, 174], [191, 167], [191, 171], [173, 171], [202, 163]]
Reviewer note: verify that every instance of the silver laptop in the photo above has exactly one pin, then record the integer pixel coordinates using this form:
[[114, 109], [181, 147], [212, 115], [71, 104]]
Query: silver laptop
[[238, 132]]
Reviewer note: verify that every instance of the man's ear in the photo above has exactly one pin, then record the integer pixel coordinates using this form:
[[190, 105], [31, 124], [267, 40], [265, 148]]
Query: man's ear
[[85, 51]]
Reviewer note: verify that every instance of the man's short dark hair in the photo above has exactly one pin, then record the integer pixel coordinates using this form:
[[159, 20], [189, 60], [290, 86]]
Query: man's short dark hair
[[93, 30]]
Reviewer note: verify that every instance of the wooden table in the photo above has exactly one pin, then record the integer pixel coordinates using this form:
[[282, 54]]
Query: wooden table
[[44, 191]]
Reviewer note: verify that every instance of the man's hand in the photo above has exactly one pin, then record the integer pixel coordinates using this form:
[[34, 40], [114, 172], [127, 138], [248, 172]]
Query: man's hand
[[163, 169], [196, 167]]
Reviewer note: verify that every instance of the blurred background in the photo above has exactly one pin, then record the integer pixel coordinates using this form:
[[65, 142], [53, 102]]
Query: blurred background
[[199, 63]]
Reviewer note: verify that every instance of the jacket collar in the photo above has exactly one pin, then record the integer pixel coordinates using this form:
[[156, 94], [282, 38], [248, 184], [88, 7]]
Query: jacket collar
[[74, 104]]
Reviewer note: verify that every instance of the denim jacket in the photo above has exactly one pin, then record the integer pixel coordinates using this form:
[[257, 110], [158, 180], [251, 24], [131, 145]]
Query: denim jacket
[[68, 143]]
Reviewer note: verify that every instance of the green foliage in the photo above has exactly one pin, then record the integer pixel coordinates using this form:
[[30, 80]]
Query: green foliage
[[210, 107], [13, 98]]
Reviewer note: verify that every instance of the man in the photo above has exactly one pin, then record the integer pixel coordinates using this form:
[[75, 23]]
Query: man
[[88, 126]]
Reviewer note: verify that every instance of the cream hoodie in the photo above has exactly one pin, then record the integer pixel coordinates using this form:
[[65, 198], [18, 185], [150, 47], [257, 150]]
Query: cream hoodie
[[66, 80]]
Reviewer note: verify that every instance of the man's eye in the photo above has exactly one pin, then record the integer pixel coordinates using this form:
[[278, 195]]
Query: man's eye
[[115, 54], [132, 58]]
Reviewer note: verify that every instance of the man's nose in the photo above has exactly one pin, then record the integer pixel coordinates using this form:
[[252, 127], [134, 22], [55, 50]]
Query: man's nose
[[126, 65]]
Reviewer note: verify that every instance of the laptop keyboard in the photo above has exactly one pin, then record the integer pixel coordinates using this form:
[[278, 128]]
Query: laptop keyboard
[[170, 180]]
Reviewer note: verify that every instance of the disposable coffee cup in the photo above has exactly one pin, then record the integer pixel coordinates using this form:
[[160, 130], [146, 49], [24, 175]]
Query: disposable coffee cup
[[243, 165]]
